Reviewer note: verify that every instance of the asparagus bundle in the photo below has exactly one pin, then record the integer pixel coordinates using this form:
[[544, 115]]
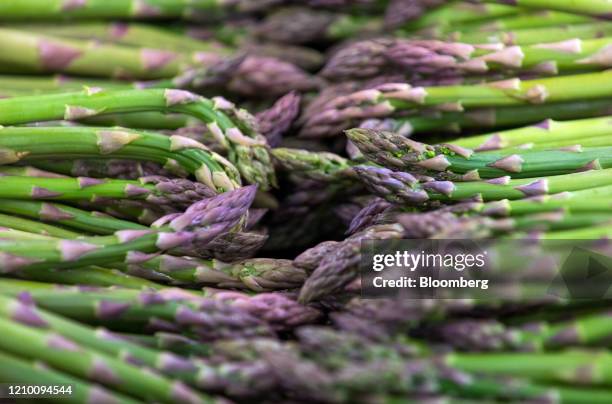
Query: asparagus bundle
[[244, 143], [450, 159], [136, 267], [390, 98], [429, 57]]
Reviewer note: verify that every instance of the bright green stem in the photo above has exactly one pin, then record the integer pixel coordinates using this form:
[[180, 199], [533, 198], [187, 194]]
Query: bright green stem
[[546, 185], [560, 222], [91, 222], [562, 133], [133, 34], [103, 341], [523, 390], [536, 163], [18, 223], [574, 55], [597, 199], [91, 276], [501, 117], [75, 359], [71, 189], [44, 53], [587, 233], [595, 8], [456, 13], [22, 255], [246, 147], [545, 18], [532, 36], [18, 370], [173, 152], [586, 368], [88, 307], [514, 92], [95, 9]]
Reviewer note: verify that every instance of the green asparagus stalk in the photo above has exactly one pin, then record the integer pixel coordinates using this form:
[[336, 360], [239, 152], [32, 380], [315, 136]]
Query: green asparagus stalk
[[99, 340], [532, 36], [133, 34], [595, 8], [568, 367], [404, 188], [48, 53], [64, 215], [541, 18], [393, 150], [18, 370], [131, 9], [487, 117], [109, 168], [246, 148], [71, 357], [257, 274], [175, 153], [387, 99], [179, 193], [565, 133], [459, 13], [200, 224], [595, 199], [174, 310], [18, 223], [420, 58]]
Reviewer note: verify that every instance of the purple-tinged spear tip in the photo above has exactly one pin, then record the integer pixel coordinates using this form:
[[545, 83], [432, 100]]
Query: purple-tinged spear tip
[[278, 119], [227, 209]]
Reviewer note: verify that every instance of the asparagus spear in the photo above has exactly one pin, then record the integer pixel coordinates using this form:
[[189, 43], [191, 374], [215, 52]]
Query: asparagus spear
[[18, 223], [131, 9], [318, 166], [158, 190], [110, 168], [134, 34], [387, 99], [19, 370], [595, 8], [532, 36], [247, 148], [393, 150], [588, 200], [530, 19], [429, 57], [565, 133], [257, 274], [175, 153], [90, 222], [483, 118], [485, 335], [566, 367], [402, 187], [201, 223], [66, 355], [177, 310], [48, 53]]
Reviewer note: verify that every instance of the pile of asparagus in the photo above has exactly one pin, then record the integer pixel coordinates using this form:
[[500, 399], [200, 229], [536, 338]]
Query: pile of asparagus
[[185, 187]]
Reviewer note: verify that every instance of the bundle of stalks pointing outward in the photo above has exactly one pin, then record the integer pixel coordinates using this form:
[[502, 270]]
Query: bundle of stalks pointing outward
[[187, 187]]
